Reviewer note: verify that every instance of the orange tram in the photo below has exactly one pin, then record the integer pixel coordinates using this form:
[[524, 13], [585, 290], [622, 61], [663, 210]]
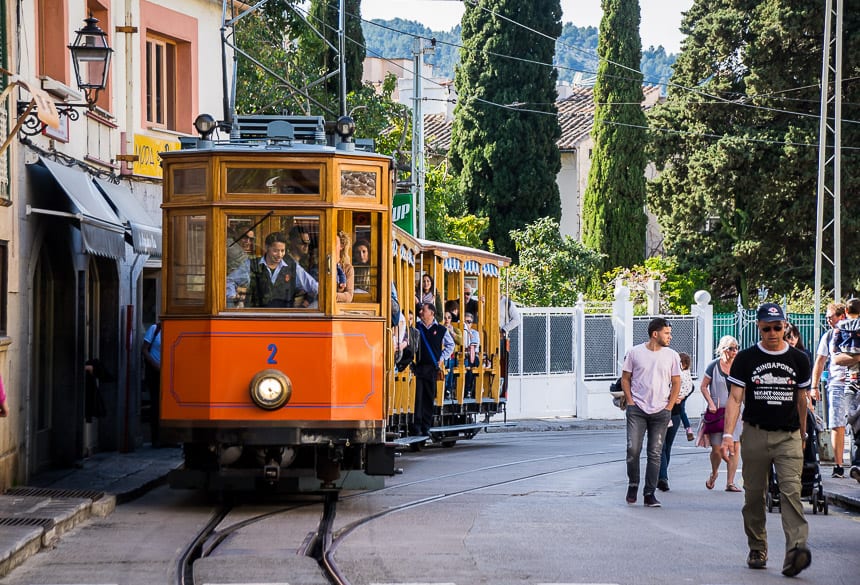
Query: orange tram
[[278, 348]]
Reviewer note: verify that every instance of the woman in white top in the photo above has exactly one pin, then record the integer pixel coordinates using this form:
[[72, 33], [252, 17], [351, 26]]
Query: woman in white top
[[715, 389]]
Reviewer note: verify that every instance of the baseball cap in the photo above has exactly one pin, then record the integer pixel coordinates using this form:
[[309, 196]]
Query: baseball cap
[[769, 312]]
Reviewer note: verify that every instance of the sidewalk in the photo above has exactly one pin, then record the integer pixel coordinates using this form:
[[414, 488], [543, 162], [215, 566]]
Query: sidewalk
[[35, 516]]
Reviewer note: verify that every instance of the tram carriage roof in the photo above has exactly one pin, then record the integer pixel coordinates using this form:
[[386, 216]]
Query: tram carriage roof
[[473, 260], [258, 146]]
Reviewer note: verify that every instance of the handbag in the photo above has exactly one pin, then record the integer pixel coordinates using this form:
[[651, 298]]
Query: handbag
[[714, 422]]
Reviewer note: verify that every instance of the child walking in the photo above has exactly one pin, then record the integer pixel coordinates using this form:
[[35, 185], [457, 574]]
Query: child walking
[[686, 390]]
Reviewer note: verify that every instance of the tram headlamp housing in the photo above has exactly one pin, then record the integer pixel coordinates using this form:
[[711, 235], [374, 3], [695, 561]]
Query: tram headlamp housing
[[345, 128], [205, 125], [270, 389]]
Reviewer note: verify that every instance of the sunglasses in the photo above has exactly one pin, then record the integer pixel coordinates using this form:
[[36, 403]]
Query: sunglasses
[[468, 322], [467, 294], [769, 328], [733, 348]]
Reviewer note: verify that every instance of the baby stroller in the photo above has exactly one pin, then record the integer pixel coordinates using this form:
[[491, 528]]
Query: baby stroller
[[810, 478]]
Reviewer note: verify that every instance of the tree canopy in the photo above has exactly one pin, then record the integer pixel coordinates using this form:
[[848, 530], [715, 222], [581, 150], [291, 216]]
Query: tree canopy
[[736, 143], [613, 208], [503, 143]]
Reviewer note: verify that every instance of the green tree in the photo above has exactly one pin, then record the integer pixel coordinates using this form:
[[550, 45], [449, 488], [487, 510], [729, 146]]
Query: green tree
[[613, 208], [324, 16], [503, 143], [553, 269], [736, 143]]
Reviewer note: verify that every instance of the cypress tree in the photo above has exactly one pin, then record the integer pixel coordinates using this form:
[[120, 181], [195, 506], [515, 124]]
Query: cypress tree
[[503, 144], [613, 208], [325, 18]]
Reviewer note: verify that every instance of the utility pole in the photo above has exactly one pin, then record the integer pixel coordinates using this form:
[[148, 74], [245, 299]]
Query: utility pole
[[419, 47], [829, 164]]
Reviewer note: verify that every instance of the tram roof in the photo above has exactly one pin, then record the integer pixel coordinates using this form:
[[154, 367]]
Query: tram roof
[[257, 146], [444, 249]]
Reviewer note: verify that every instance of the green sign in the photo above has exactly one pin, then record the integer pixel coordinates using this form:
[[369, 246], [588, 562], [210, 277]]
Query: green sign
[[403, 211]]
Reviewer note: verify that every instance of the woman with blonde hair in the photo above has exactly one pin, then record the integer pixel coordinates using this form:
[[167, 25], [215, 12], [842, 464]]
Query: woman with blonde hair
[[715, 389], [345, 271]]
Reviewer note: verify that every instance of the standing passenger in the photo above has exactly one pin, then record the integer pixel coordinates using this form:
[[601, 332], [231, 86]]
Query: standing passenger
[[345, 271], [651, 380], [434, 347], [771, 379], [276, 277]]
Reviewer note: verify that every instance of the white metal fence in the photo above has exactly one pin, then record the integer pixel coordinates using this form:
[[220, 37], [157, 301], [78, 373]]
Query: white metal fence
[[563, 359]]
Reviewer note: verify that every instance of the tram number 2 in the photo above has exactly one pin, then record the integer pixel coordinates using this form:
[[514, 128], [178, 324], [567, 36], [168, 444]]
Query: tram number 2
[[273, 351]]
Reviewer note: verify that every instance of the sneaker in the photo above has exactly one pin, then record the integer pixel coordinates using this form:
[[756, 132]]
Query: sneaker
[[757, 559], [855, 473], [838, 472], [796, 560], [631, 493], [663, 485], [651, 501]]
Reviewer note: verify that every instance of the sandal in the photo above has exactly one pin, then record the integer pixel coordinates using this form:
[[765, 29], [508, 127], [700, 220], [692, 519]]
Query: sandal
[[732, 488], [711, 481]]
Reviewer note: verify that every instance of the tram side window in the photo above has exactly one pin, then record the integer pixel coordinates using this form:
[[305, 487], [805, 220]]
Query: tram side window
[[188, 260], [365, 256], [272, 261]]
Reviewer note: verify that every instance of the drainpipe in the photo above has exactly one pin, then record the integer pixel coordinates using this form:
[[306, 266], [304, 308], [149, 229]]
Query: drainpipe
[[127, 155]]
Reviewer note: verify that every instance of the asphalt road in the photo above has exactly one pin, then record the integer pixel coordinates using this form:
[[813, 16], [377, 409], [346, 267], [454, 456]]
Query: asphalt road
[[536, 508]]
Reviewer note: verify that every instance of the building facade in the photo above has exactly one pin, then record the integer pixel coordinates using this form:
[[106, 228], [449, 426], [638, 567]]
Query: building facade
[[80, 235]]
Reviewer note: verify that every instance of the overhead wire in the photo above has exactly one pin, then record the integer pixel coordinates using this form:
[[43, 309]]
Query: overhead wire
[[517, 106]]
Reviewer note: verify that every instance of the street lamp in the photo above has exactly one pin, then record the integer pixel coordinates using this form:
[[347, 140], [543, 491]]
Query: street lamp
[[91, 57]]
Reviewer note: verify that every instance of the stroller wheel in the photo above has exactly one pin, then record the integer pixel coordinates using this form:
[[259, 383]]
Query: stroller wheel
[[815, 502]]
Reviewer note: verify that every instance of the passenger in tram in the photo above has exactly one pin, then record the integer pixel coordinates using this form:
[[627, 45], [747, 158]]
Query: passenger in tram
[[361, 262], [300, 252], [345, 271], [450, 380], [471, 299], [453, 307], [434, 348], [276, 277], [426, 293], [473, 353], [240, 248]]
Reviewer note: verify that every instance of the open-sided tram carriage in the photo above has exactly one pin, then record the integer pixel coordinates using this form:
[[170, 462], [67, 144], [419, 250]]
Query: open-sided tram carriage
[[271, 376]]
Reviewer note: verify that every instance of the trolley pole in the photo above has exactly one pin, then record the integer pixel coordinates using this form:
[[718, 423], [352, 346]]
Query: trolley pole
[[418, 49]]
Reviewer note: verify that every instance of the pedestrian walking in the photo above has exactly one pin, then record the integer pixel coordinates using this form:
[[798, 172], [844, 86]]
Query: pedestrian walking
[[771, 378], [651, 381]]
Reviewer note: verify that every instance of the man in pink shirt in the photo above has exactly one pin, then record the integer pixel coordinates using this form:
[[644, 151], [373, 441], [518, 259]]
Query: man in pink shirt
[[651, 380]]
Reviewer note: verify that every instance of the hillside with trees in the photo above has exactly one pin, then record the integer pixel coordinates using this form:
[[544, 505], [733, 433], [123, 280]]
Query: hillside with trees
[[575, 51]]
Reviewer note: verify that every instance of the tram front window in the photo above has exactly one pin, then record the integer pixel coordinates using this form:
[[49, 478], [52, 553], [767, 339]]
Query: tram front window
[[279, 270]]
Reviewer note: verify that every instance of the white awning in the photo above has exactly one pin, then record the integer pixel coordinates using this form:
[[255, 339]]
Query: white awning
[[101, 230], [145, 230]]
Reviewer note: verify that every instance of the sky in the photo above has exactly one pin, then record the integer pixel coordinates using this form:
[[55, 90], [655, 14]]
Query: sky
[[660, 18]]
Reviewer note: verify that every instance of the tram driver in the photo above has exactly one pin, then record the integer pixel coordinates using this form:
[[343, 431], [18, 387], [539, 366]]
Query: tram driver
[[276, 277]]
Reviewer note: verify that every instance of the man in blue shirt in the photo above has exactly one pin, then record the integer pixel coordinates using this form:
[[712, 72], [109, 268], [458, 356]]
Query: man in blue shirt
[[276, 277]]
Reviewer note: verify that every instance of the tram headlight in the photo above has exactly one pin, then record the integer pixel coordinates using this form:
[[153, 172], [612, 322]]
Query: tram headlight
[[205, 125], [270, 389], [345, 127]]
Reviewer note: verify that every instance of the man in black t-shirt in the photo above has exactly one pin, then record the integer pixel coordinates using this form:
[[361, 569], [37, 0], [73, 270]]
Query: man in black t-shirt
[[771, 379]]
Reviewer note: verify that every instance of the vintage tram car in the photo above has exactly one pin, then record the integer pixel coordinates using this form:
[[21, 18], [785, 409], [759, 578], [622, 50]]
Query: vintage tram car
[[273, 374]]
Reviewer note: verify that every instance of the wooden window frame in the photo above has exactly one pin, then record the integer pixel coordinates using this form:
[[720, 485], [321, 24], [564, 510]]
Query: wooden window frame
[[160, 74]]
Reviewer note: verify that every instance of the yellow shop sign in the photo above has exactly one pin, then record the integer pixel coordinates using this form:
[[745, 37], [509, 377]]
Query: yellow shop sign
[[146, 148]]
